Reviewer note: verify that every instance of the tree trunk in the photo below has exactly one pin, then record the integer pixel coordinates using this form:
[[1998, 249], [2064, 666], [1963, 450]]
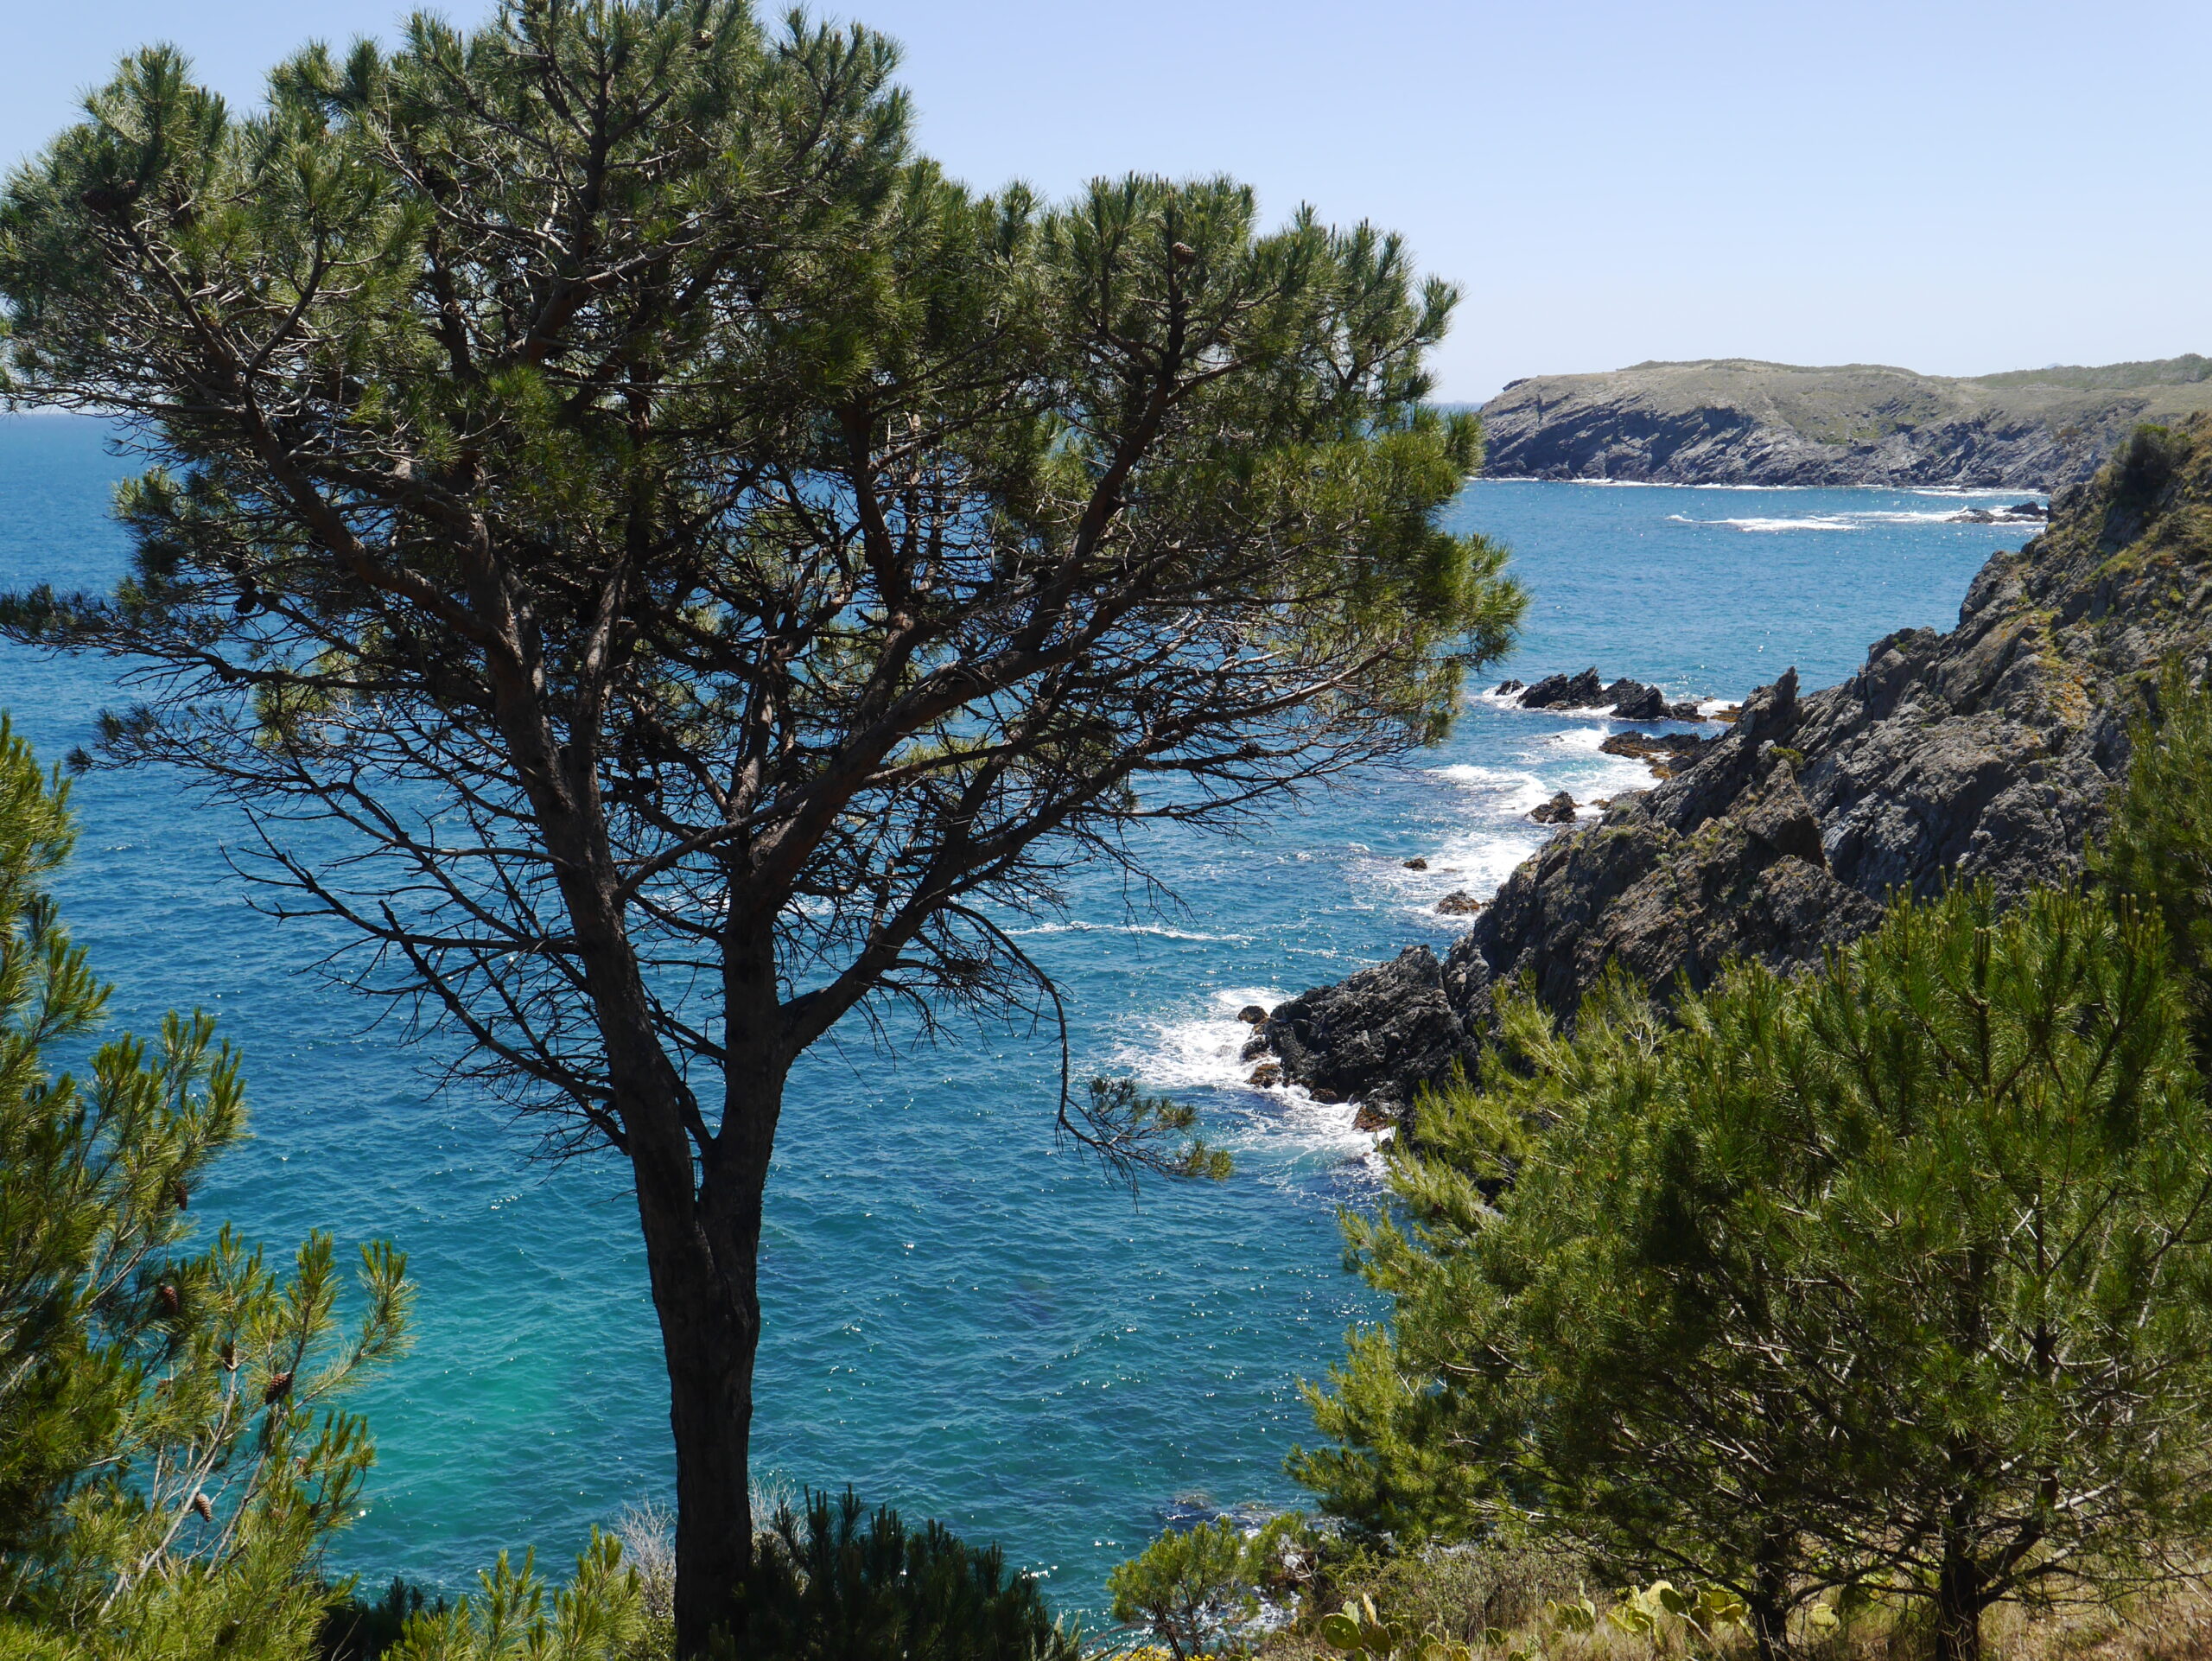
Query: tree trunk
[[702, 1246], [1770, 1599], [1958, 1606]]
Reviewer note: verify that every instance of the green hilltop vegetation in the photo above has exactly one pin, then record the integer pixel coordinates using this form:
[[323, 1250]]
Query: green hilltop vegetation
[[1743, 421]]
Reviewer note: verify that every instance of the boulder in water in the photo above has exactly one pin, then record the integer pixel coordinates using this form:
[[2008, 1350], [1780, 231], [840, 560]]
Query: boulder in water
[[1582, 691], [1558, 811]]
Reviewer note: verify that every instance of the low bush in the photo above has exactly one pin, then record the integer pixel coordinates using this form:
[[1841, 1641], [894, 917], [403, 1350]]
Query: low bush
[[842, 1583], [1198, 1590]]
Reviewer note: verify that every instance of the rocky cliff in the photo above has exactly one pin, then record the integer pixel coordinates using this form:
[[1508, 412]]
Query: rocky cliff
[[1735, 421], [1983, 753]]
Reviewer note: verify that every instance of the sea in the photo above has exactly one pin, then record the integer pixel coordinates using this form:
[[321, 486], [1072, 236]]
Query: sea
[[963, 1320]]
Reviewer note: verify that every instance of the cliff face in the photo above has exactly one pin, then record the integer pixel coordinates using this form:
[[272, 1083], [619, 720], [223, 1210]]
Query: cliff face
[[1983, 753], [1735, 421]]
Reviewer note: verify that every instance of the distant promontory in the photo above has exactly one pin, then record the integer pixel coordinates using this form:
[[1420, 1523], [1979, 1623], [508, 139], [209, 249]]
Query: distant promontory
[[1736, 421]]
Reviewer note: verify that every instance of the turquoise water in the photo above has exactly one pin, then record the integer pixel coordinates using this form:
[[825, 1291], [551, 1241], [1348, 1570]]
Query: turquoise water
[[959, 1320]]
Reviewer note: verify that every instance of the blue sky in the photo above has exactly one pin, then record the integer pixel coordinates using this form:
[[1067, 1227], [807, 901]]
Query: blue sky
[[1959, 188]]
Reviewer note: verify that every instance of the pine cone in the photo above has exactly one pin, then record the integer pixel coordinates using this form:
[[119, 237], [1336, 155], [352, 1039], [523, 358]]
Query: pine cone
[[204, 1506], [279, 1387], [172, 1301]]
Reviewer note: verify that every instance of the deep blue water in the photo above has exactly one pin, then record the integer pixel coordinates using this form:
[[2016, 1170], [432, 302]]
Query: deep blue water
[[959, 1320]]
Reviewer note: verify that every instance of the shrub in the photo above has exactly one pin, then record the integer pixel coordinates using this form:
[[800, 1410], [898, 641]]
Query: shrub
[[598, 1616], [1198, 1589], [2146, 463], [172, 1459], [843, 1584]]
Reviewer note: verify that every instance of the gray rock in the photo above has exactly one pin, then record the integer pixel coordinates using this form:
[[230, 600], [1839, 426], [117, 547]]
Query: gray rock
[[1558, 811], [1582, 691], [1633, 701], [1377, 1035]]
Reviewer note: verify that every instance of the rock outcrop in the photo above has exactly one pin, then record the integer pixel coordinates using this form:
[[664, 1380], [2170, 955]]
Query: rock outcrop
[[1630, 700], [1736, 420], [1983, 753]]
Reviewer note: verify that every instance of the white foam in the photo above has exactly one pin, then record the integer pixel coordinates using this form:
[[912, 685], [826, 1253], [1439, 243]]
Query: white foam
[[1206, 1051], [1585, 739], [1511, 782], [1769, 527], [1156, 930], [1846, 521]]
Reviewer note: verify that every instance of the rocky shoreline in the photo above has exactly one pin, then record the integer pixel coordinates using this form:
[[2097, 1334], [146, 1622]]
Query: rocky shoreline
[[1982, 754]]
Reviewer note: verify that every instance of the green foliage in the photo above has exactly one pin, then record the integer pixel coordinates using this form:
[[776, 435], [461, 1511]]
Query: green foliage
[[844, 1584], [1358, 1629], [355, 1628], [1128, 1130], [1702, 1614], [171, 1458], [1196, 1589], [597, 1616], [2146, 464], [1896, 1276], [2156, 849]]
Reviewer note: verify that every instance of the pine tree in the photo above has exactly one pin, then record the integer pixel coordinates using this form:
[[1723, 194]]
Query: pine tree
[[768, 565], [2157, 847], [1893, 1279], [171, 1461]]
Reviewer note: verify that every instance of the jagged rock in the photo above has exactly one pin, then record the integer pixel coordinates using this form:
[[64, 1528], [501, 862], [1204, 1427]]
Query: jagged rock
[[1665, 753], [1558, 811], [1639, 702], [1582, 691], [1416, 863], [1983, 755], [1266, 1075], [1507, 686], [1458, 903], [1630, 700], [1371, 1119], [1376, 1036], [1251, 1014], [1686, 710]]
